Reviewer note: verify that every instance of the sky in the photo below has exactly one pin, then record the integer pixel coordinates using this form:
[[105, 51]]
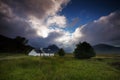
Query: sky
[[61, 22]]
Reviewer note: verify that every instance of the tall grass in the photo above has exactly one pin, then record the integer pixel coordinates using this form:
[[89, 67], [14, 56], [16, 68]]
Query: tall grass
[[56, 68]]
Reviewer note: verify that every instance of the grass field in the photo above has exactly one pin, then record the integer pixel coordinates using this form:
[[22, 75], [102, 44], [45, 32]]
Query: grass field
[[58, 68]]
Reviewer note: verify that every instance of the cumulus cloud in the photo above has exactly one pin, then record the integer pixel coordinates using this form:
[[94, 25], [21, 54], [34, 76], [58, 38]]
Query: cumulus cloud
[[38, 8], [57, 36], [104, 30], [37, 20], [57, 20], [40, 22]]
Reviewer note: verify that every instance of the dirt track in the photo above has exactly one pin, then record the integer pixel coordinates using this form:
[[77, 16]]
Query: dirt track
[[12, 57]]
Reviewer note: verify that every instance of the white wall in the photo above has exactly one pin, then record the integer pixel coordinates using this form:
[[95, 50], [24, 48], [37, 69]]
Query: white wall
[[47, 54], [33, 53]]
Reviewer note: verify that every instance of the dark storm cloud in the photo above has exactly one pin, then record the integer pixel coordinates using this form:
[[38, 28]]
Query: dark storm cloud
[[104, 30], [16, 28], [5, 11], [16, 14], [29, 7], [38, 8], [12, 25], [44, 42]]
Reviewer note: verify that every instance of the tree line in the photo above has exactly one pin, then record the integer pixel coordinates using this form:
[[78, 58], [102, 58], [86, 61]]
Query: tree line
[[16, 45]]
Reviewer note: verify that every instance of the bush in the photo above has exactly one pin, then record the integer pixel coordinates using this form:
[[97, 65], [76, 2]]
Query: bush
[[84, 50], [61, 52]]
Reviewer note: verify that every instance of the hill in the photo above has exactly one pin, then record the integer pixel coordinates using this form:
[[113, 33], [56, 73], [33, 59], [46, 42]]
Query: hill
[[51, 48], [105, 49]]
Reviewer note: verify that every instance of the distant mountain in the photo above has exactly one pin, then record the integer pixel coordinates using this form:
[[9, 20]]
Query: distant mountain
[[9, 45], [106, 49], [51, 48]]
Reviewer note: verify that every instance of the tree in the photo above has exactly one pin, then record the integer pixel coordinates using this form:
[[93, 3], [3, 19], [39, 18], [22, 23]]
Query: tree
[[21, 44], [61, 52], [84, 50], [21, 40]]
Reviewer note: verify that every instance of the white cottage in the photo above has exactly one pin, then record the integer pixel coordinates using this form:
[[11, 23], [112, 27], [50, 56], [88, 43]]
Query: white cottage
[[40, 52], [33, 53]]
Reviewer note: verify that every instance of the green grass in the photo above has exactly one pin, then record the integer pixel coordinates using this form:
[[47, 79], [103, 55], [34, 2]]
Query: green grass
[[58, 68]]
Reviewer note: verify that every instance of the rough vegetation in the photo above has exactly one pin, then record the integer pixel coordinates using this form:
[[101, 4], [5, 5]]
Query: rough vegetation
[[58, 68]]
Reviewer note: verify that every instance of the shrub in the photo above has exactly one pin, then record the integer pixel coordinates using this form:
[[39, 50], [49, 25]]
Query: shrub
[[61, 52]]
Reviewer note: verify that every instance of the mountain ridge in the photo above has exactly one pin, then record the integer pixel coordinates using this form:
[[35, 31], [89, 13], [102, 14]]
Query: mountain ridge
[[105, 48]]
